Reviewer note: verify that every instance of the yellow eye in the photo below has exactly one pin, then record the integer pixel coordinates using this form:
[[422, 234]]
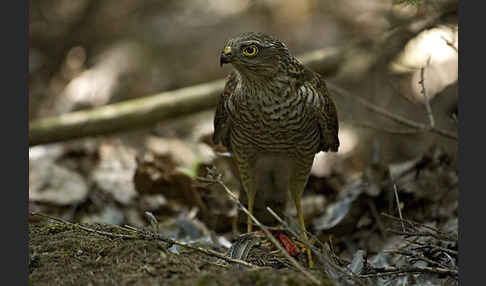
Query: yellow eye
[[250, 51]]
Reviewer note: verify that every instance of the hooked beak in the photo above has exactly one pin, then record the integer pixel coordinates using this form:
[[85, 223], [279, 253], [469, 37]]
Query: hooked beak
[[225, 56]]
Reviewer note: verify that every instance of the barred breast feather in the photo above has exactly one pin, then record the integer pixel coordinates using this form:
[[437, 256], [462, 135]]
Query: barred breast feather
[[289, 114]]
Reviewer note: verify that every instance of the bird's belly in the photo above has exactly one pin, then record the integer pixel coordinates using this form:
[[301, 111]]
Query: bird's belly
[[276, 134]]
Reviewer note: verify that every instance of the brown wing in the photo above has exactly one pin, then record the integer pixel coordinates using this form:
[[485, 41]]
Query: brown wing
[[222, 121], [328, 121], [324, 109]]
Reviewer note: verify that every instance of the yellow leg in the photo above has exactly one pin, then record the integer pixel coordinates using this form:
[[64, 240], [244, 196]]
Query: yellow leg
[[251, 200], [248, 186], [297, 196]]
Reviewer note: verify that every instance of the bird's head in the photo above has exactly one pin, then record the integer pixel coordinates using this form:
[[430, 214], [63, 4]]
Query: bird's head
[[254, 53]]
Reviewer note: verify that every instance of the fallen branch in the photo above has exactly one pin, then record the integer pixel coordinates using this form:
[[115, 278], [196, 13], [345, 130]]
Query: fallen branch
[[141, 112], [125, 115]]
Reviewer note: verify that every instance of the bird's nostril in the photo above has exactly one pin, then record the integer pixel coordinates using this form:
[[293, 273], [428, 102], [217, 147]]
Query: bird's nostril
[[227, 51]]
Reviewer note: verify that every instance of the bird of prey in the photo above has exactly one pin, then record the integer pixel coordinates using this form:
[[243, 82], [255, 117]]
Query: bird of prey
[[274, 115]]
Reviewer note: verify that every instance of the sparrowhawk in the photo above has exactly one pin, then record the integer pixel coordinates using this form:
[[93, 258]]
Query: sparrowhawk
[[274, 115]]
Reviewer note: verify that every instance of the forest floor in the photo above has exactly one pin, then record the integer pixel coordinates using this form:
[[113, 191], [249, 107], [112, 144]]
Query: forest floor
[[68, 255], [92, 234]]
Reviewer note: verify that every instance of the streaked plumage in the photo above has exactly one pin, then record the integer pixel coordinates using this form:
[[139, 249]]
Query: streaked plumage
[[274, 116]]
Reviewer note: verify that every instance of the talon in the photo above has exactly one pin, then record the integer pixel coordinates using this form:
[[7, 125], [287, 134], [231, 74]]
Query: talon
[[303, 248]]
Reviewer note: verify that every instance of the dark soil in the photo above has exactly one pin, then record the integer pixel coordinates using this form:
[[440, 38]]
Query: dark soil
[[62, 254]]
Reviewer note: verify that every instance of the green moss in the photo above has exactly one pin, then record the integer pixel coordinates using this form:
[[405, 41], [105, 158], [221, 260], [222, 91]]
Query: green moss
[[205, 280], [68, 255]]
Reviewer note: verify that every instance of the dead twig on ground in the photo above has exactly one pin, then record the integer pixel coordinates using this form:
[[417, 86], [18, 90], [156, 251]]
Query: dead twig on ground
[[437, 247], [414, 229], [407, 270], [142, 234], [414, 256], [100, 232], [421, 244]]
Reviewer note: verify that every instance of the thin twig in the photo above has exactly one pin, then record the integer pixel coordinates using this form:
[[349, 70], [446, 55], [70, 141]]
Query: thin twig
[[434, 231], [408, 233], [417, 256], [428, 109], [395, 117], [104, 233], [450, 44], [384, 129], [398, 206], [150, 236], [447, 250], [414, 269], [265, 230]]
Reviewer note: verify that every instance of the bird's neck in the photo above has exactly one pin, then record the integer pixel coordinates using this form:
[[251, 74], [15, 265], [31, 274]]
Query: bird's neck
[[252, 84], [272, 83]]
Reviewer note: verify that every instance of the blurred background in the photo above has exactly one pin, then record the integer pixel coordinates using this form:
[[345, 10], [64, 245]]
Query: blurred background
[[86, 53]]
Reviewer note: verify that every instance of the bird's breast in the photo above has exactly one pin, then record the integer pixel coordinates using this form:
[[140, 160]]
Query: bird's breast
[[272, 120]]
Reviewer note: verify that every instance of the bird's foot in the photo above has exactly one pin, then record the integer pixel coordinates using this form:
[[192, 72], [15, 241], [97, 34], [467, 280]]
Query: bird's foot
[[303, 248]]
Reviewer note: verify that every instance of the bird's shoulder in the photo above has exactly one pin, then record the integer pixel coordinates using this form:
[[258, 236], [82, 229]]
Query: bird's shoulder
[[312, 86]]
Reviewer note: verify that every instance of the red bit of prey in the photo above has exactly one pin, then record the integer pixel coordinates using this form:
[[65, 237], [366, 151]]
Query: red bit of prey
[[284, 240]]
